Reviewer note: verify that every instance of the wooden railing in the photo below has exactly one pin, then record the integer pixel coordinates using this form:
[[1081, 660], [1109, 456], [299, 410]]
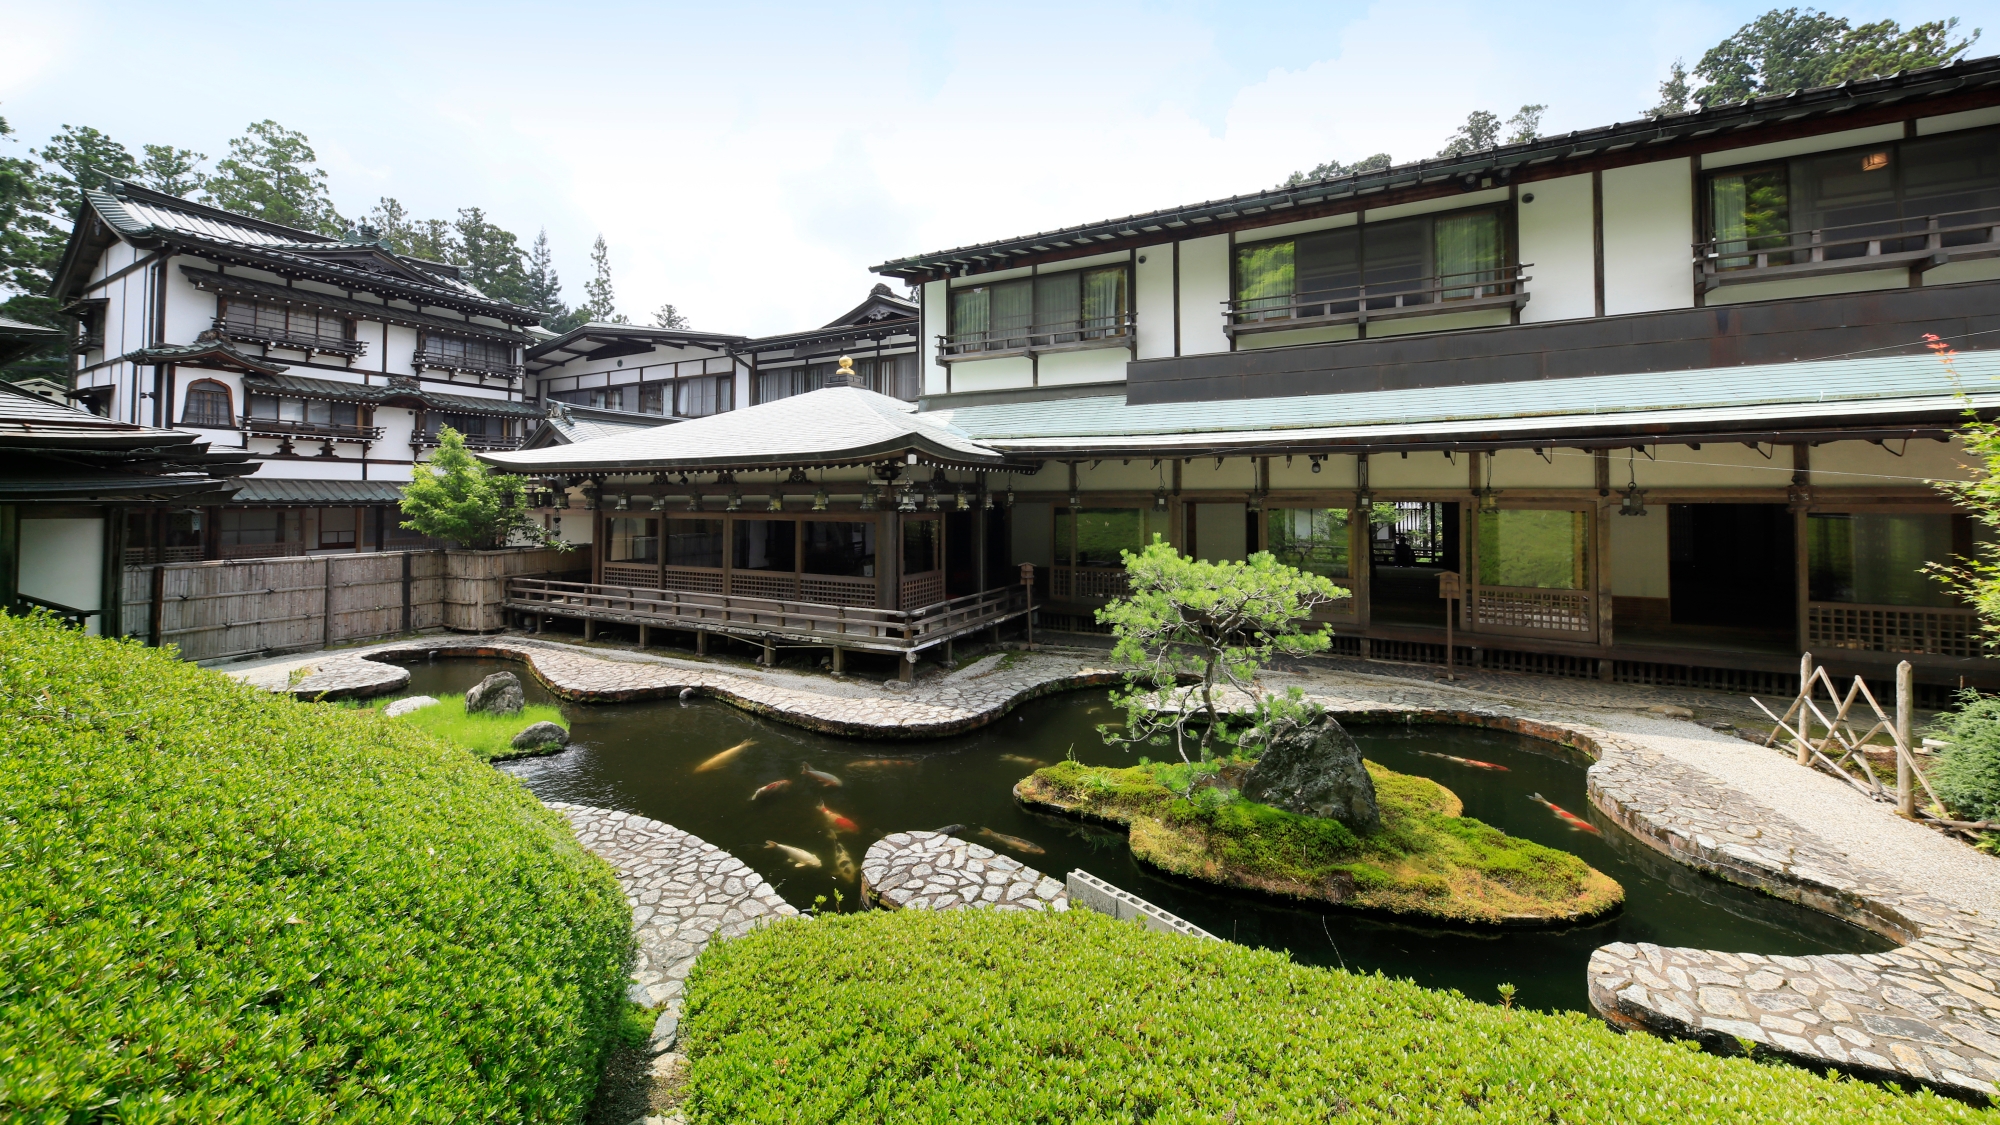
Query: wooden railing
[[1890, 628], [1055, 336], [1923, 243], [923, 589], [316, 431], [1088, 583], [1499, 287], [857, 627], [286, 338], [473, 441], [1533, 612], [443, 360]]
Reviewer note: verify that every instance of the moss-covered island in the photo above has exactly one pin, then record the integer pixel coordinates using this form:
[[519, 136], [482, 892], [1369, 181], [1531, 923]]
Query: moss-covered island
[[1425, 860]]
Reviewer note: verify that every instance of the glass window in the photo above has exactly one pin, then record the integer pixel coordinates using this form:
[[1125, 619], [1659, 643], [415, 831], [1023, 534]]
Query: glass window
[[1013, 308], [766, 545], [1855, 190], [1468, 253], [1328, 265], [1059, 302], [247, 528], [1103, 300], [694, 543], [842, 548], [920, 546], [1098, 537], [1314, 540], [1393, 259], [262, 406], [333, 413], [336, 527], [1749, 211], [633, 540], [1879, 559], [1057, 307], [207, 404], [1265, 275], [971, 311], [653, 398], [788, 381], [1542, 549]]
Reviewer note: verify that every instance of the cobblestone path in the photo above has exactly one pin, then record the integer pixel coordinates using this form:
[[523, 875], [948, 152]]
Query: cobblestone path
[[933, 871]]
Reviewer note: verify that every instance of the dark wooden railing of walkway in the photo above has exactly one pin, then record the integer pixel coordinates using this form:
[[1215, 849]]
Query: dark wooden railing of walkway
[[770, 620]]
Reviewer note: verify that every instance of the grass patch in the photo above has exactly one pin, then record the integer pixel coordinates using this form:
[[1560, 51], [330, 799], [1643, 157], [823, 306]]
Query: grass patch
[[1426, 860], [487, 735], [218, 904], [979, 1015]]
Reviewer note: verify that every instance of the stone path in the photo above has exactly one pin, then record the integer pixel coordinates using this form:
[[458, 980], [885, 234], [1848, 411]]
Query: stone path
[[684, 892], [933, 871]]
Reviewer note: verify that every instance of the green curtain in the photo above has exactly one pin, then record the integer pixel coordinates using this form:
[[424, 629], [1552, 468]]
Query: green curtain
[[1748, 211], [1534, 548], [1468, 252], [1265, 278]]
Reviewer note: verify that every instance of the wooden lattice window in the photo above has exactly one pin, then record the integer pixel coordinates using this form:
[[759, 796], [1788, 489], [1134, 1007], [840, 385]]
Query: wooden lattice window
[[207, 404]]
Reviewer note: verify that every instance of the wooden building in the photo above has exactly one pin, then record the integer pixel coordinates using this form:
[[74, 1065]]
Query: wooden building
[[1658, 392]]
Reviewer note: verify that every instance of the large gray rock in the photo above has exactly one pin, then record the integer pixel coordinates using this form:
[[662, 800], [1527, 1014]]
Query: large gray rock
[[405, 706], [1316, 770], [541, 734], [499, 694]]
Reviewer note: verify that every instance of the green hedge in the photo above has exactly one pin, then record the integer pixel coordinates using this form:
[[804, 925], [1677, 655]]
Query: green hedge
[[982, 1016], [217, 904], [1967, 776]]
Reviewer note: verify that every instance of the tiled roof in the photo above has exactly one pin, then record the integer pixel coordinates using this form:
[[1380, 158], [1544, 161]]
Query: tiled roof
[[216, 282], [260, 490], [567, 423], [333, 390]]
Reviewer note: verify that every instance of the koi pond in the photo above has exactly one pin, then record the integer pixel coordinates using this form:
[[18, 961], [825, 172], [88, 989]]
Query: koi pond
[[647, 758]]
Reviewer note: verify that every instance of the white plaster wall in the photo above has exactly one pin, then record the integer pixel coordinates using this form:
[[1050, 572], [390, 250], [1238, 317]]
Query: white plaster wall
[[1862, 464], [1138, 476], [1523, 468], [989, 278], [1639, 554], [1439, 322], [1033, 533], [1303, 226], [1336, 471], [1327, 335], [1950, 122], [1648, 237], [1153, 300], [62, 561], [1714, 465], [1557, 244], [992, 374], [398, 426], [1204, 287], [1099, 365], [331, 468], [1809, 286], [398, 354], [190, 312], [934, 315], [1825, 142], [1418, 470], [1219, 532], [1237, 474], [1963, 271], [1442, 203]]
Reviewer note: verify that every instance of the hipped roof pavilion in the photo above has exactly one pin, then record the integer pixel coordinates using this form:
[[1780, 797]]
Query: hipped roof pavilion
[[834, 427]]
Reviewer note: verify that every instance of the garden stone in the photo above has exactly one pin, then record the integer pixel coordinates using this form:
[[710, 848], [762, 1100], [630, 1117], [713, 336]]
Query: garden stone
[[405, 706], [541, 734], [1316, 770], [499, 694]]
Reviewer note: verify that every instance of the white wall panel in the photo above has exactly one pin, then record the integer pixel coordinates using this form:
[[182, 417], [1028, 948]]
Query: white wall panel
[[62, 561], [1099, 365], [1525, 469], [1153, 300], [1557, 244], [1825, 142], [1970, 119], [1442, 203], [1219, 532], [1639, 554], [1648, 237], [936, 310], [1861, 464], [1809, 286], [1204, 287], [1418, 470], [991, 374]]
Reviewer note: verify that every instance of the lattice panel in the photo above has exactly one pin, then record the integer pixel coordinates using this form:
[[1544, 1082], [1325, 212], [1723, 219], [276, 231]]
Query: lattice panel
[[923, 590], [1084, 583], [1880, 628], [1557, 612], [643, 577], [837, 591], [692, 581], [754, 584]]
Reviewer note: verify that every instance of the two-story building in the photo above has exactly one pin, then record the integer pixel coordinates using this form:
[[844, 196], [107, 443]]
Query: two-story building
[[333, 362], [1658, 393]]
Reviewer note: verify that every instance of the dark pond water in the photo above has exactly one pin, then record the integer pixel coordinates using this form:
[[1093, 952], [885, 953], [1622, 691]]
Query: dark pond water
[[642, 758]]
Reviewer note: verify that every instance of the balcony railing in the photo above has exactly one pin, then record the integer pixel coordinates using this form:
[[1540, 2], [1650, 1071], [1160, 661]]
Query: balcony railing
[[1501, 287], [311, 431], [470, 365], [1035, 339], [472, 441], [303, 341], [1921, 243]]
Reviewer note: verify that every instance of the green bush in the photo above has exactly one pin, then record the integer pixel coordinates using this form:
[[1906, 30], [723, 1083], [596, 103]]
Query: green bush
[[217, 904], [986, 1016], [1967, 775]]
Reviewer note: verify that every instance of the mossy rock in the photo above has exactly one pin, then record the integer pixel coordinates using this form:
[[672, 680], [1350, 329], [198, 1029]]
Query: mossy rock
[[1427, 859]]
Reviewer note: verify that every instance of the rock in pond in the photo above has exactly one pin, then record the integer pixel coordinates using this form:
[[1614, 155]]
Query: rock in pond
[[1316, 770], [405, 706], [541, 734], [498, 694]]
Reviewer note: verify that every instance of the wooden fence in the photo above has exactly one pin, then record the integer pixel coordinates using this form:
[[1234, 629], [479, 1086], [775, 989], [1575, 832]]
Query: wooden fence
[[251, 607]]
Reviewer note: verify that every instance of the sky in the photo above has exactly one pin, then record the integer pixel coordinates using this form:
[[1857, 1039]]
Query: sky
[[749, 163]]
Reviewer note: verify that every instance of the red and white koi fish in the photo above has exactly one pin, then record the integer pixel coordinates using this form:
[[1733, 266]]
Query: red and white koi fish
[[824, 778], [1025, 847], [799, 856], [838, 821], [778, 786], [1473, 762], [1575, 822], [722, 759]]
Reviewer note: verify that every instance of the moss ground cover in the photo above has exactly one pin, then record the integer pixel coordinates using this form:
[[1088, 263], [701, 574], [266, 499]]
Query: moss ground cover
[[217, 904], [489, 736], [977, 1015], [1426, 860]]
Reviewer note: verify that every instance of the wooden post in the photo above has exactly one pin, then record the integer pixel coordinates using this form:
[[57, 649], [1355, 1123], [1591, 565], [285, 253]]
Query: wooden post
[[1448, 590], [701, 642], [408, 562], [907, 669], [643, 636], [1906, 691], [589, 628], [326, 606], [159, 604], [770, 657], [839, 661], [1028, 587], [1805, 714]]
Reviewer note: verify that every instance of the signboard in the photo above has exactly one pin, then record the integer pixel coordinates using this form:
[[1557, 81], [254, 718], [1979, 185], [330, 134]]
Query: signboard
[[1028, 574], [1448, 585]]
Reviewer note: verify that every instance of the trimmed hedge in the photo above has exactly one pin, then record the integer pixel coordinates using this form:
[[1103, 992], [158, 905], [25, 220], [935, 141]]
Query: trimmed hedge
[[217, 904], [978, 1015]]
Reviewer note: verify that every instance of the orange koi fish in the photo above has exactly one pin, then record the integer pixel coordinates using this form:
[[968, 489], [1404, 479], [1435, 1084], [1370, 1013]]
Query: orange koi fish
[[1473, 762], [778, 786], [838, 821], [1025, 847], [825, 779], [1575, 822]]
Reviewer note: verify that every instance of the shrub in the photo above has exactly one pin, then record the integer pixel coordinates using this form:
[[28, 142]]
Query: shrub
[[217, 904], [1966, 776], [916, 1016]]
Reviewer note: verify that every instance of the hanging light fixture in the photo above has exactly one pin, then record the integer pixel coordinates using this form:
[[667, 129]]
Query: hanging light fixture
[[1489, 497], [1315, 463], [1160, 500], [985, 498], [964, 501], [931, 500], [776, 503], [657, 503], [1634, 502], [1255, 503], [1010, 490], [735, 502], [694, 502], [906, 498], [819, 499], [867, 499], [623, 503]]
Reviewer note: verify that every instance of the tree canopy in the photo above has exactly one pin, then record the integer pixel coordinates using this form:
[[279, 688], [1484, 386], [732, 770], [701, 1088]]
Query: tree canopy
[[455, 496], [1788, 49]]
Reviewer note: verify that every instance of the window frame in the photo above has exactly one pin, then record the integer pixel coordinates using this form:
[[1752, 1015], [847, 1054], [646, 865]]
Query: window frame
[[209, 386], [959, 342], [348, 343]]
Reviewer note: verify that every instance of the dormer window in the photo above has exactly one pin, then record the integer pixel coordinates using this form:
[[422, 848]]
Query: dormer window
[[288, 326], [207, 405], [476, 355]]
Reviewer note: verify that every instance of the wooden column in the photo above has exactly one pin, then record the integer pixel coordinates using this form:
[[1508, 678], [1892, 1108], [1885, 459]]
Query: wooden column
[[1600, 539]]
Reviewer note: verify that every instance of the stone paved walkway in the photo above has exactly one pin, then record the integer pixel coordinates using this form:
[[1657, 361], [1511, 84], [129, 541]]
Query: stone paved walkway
[[684, 892], [933, 871]]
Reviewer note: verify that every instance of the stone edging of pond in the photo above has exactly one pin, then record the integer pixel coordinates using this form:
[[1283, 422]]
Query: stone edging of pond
[[684, 892], [965, 700], [935, 871]]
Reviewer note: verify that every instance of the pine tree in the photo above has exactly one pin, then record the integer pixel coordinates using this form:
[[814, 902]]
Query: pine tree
[[1794, 49], [667, 316], [175, 171], [272, 173], [492, 257], [544, 287], [599, 299], [77, 160], [1334, 168], [1673, 92]]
